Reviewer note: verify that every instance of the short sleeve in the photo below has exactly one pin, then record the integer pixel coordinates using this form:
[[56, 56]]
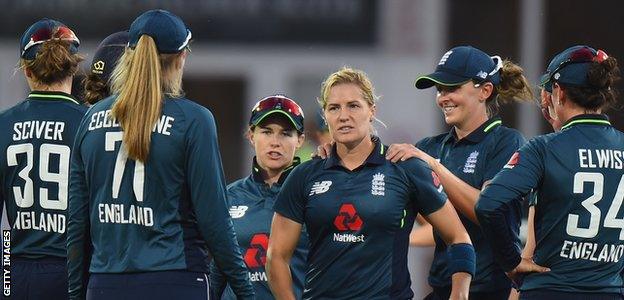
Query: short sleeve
[[426, 188], [291, 200], [502, 151]]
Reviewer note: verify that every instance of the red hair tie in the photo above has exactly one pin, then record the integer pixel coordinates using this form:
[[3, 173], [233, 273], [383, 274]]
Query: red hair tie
[[601, 56]]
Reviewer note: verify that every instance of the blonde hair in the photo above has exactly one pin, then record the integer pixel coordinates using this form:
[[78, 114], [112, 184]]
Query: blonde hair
[[513, 87], [141, 79], [53, 62], [348, 75]]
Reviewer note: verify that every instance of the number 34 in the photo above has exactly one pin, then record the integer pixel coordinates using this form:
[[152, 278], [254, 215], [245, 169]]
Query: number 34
[[611, 220]]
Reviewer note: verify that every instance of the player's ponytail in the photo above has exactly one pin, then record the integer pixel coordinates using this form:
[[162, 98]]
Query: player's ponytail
[[513, 86], [95, 89], [137, 82], [54, 62]]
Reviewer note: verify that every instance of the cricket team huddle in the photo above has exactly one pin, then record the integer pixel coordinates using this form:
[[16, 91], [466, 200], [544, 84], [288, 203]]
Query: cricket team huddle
[[122, 194]]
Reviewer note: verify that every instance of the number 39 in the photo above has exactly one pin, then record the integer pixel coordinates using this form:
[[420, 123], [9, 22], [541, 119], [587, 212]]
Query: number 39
[[611, 220], [24, 198]]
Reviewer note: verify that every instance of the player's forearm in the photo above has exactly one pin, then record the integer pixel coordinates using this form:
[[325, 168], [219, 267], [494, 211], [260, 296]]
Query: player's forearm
[[422, 236], [462, 195], [280, 278], [460, 285], [529, 247]]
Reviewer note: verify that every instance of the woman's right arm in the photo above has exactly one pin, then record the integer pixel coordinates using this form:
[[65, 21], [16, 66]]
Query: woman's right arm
[[282, 243], [207, 188], [422, 236], [529, 247], [446, 222], [78, 223]]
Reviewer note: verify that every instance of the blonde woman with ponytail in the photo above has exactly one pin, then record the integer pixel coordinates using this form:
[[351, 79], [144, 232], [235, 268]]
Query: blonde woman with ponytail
[[36, 141], [471, 84], [147, 181]]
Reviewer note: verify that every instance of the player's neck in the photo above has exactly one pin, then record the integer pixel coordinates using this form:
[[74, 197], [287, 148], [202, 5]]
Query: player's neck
[[466, 128], [64, 86], [271, 176], [353, 155], [573, 110]]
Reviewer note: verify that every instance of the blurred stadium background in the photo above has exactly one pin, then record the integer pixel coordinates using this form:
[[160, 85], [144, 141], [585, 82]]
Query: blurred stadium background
[[244, 50]]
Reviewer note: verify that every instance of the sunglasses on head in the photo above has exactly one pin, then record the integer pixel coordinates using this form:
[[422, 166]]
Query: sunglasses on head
[[582, 55], [281, 103], [45, 34]]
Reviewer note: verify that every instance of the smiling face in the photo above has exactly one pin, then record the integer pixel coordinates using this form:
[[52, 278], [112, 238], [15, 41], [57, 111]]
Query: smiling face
[[348, 115], [462, 104], [275, 141]]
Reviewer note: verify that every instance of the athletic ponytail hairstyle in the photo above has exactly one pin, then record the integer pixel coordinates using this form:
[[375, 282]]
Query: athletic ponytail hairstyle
[[53, 63], [513, 87], [141, 79]]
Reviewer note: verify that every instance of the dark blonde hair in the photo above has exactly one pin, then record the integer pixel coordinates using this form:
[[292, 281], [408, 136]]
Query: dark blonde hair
[[141, 79], [53, 63], [513, 87], [348, 75]]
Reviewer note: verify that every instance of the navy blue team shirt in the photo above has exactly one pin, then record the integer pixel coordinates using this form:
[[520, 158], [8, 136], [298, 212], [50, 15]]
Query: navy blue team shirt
[[578, 176], [37, 136], [251, 203], [475, 159], [167, 214], [359, 222]]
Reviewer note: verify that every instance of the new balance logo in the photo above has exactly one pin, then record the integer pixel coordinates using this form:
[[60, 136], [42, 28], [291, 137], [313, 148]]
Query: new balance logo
[[320, 187], [482, 74], [238, 211], [445, 57]]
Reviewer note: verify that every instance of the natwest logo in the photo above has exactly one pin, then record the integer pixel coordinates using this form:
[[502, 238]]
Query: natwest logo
[[347, 218], [255, 255]]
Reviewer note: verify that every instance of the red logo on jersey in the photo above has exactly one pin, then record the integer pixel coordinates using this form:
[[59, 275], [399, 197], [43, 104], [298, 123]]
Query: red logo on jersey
[[436, 179], [513, 161], [255, 256], [347, 218]]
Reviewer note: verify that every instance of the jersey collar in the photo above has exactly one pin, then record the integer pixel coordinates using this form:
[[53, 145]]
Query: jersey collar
[[377, 157], [256, 171], [52, 96], [587, 119], [478, 134]]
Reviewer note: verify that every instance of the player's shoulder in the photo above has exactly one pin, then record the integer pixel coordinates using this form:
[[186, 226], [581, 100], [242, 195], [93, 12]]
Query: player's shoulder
[[543, 142], [507, 132], [102, 105], [239, 184], [9, 112], [413, 165], [308, 167], [431, 140], [189, 107]]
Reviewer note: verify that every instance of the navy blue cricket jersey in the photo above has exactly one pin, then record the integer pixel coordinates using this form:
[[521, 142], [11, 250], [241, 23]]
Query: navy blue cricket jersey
[[359, 222], [169, 213], [475, 159], [37, 137], [251, 208], [578, 176]]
